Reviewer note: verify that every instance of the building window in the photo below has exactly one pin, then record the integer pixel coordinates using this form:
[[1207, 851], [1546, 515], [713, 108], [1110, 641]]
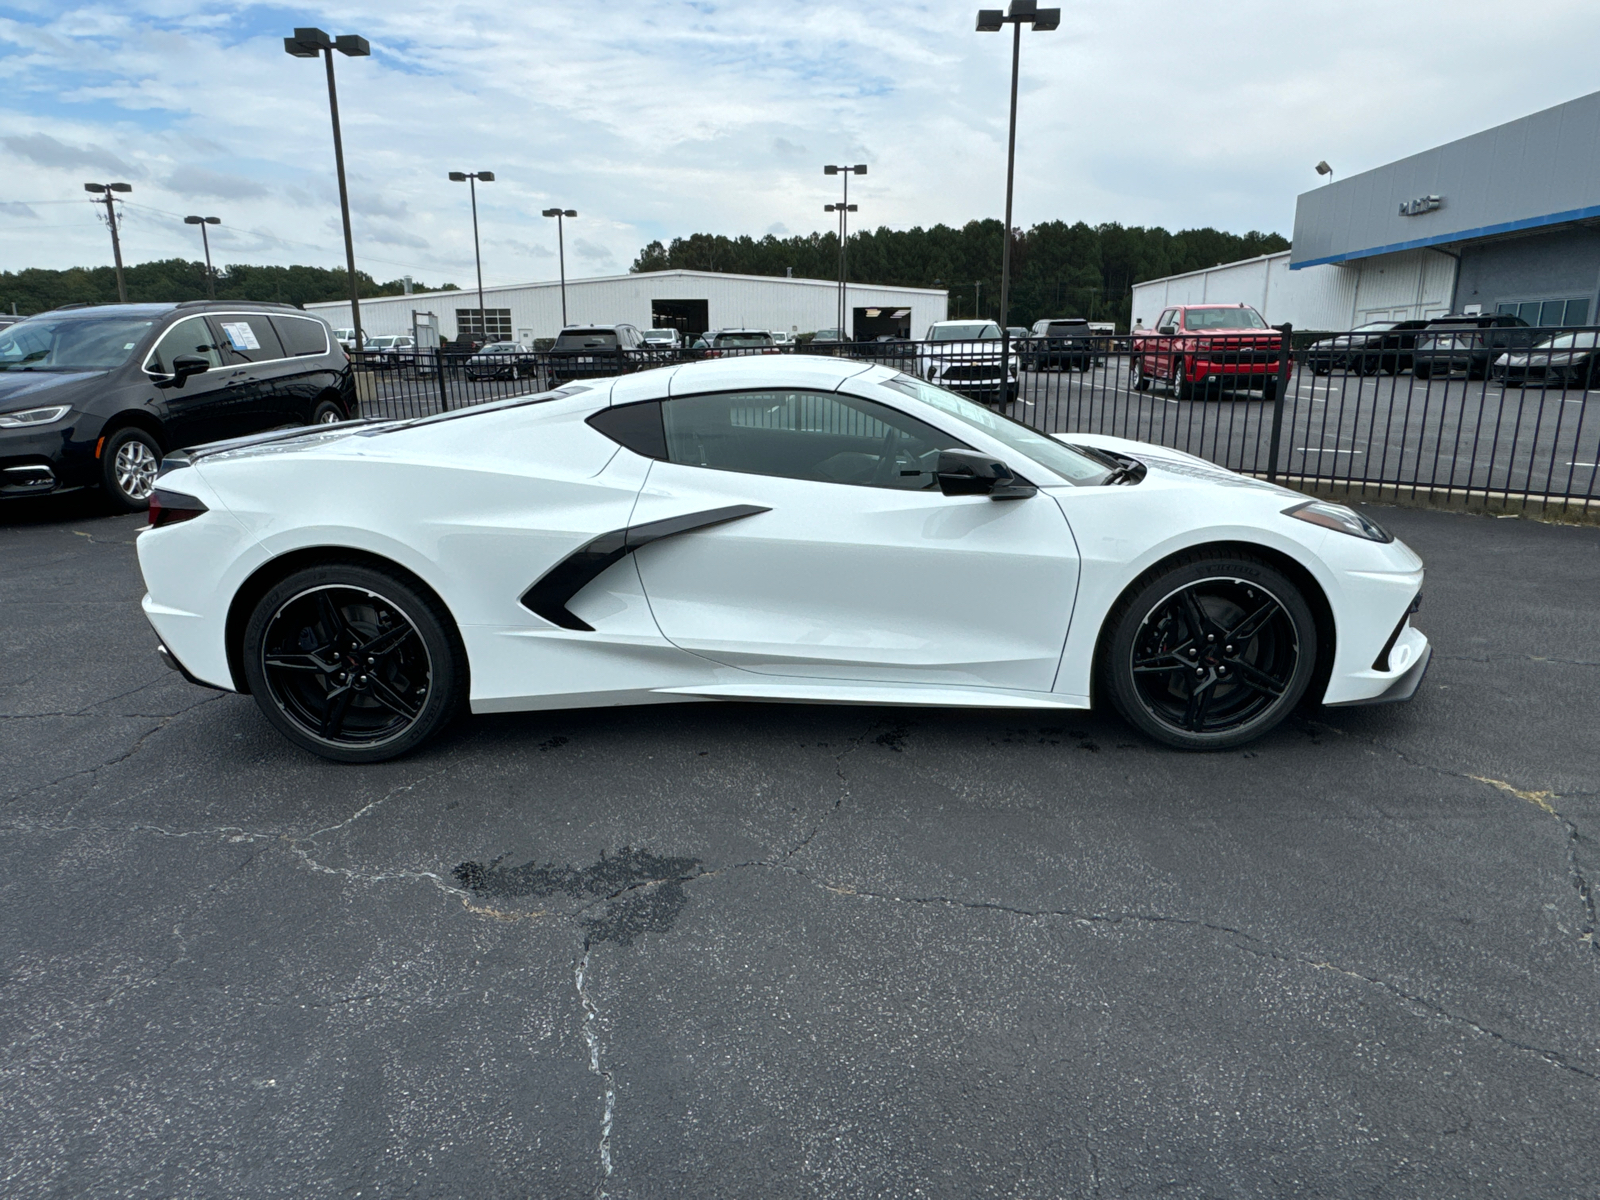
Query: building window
[[1548, 312], [470, 323]]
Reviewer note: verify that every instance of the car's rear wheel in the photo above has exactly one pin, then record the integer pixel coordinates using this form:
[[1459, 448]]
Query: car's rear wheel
[[1141, 381], [129, 463], [353, 663], [1209, 651], [329, 412]]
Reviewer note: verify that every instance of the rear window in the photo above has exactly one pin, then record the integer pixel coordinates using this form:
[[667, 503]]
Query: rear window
[[743, 339], [301, 335], [245, 337], [1222, 318], [587, 339], [1063, 328]]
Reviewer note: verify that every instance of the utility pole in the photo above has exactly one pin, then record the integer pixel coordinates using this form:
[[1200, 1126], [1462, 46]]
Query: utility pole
[[104, 190]]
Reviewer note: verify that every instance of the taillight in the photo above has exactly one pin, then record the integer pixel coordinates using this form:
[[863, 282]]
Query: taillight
[[168, 508]]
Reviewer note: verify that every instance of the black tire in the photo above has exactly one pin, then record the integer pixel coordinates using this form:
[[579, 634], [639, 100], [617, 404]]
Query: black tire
[[1152, 654], [1269, 388], [1421, 370], [329, 412], [1320, 369], [353, 663], [129, 461], [1141, 381], [1182, 388]]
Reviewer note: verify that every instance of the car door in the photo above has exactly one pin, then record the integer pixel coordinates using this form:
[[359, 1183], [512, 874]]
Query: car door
[[834, 555], [253, 358], [304, 374], [193, 410], [1166, 328]]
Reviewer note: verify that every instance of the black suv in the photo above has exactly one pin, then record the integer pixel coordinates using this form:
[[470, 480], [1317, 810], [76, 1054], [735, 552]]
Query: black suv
[[1063, 344], [94, 396], [1468, 343], [597, 352]]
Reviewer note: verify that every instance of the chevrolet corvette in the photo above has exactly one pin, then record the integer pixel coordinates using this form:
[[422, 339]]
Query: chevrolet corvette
[[773, 528]]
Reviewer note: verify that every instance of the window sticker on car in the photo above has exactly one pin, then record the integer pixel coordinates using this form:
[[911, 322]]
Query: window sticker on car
[[241, 335]]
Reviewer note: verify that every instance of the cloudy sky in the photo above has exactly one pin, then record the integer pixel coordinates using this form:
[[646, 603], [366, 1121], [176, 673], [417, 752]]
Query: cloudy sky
[[674, 116]]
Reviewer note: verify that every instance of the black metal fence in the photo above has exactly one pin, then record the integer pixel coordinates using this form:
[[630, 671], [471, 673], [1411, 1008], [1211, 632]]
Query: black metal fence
[[1459, 418]]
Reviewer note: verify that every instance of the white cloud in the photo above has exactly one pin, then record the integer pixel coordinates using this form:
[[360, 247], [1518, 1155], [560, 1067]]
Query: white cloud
[[674, 116]]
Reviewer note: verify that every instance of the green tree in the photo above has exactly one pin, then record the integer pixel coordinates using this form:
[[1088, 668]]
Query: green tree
[[1057, 269]]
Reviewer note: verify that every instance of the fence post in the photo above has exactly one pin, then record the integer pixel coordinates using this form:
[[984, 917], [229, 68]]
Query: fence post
[[1278, 399], [444, 388]]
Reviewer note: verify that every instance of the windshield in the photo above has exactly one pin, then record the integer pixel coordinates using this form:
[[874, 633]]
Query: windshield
[[1375, 327], [1570, 341], [500, 348], [659, 335], [1046, 451], [587, 339], [1222, 318], [972, 331], [743, 339], [70, 344], [379, 343]]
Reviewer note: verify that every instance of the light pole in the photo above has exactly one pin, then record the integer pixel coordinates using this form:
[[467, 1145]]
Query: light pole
[[991, 20], [104, 190], [312, 43], [470, 178], [1324, 169], [211, 291], [844, 209], [560, 214]]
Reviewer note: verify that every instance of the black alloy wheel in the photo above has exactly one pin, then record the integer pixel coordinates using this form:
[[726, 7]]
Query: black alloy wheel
[[1210, 652], [1141, 381], [130, 460], [353, 663]]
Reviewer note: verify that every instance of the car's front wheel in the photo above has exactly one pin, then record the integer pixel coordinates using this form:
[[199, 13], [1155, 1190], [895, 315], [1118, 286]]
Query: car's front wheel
[[130, 460], [1209, 651], [353, 663], [329, 412]]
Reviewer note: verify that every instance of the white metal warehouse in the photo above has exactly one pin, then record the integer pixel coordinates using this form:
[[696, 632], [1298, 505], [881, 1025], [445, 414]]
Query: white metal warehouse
[[692, 301], [1507, 220]]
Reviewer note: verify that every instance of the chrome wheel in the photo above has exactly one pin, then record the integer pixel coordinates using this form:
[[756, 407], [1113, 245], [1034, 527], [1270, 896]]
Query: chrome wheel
[[136, 466], [328, 417], [1214, 655], [347, 666]]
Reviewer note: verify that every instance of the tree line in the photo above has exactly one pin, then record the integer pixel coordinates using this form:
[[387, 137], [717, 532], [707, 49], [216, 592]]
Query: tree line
[[169, 280], [1057, 269]]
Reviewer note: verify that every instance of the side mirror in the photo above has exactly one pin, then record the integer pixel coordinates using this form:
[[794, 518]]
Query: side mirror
[[183, 366], [968, 473]]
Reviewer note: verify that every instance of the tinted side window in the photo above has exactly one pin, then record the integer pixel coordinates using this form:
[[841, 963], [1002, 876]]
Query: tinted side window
[[636, 426], [301, 335], [816, 436], [245, 337], [190, 336]]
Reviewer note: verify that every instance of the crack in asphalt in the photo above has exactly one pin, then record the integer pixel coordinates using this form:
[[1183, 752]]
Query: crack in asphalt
[[591, 1037], [1543, 658]]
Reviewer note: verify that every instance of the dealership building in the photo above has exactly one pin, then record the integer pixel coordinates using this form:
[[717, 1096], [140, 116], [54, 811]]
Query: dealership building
[[691, 301], [1507, 220]]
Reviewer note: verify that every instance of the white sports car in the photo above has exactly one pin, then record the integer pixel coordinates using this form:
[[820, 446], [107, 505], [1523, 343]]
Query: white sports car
[[764, 528]]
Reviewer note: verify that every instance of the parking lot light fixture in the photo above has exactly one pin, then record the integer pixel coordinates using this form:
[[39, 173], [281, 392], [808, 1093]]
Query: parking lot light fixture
[[471, 179], [104, 191], [211, 290], [560, 214], [314, 43], [843, 209], [992, 20], [1324, 169]]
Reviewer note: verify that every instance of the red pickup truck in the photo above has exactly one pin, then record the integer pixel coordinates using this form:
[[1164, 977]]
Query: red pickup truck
[[1198, 347]]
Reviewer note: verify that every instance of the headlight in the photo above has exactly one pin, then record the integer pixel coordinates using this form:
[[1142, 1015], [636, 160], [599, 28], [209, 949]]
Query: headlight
[[1340, 518], [33, 416]]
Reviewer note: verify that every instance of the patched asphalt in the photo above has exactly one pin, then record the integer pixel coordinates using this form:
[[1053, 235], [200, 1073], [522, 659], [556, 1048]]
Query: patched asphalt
[[767, 950]]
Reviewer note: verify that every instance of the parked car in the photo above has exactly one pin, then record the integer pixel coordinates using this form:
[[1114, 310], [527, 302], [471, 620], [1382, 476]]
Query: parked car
[[891, 350], [346, 338], [1199, 348], [795, 530], [503, 360], [389, 351], [95, 396], [964, 356], [715, 343], [1062, 344], [663, 339], [1468, 343], [595, 352], [1366, 349], [782, 337], [1562, 360]]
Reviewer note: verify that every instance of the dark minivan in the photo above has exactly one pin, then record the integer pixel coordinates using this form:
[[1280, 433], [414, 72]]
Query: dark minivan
[[94, 396]]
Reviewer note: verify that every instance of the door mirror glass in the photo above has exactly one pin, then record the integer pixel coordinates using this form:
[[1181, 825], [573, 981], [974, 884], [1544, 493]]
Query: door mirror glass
[[969, 473]]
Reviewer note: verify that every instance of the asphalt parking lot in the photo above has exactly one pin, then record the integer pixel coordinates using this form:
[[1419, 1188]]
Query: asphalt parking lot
[[763, 950]]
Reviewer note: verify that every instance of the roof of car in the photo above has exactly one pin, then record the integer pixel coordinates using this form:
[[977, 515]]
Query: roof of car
[[160, 309], [1212, 306]]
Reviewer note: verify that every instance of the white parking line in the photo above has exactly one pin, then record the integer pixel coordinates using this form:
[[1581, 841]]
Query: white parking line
[[1326, 450]]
